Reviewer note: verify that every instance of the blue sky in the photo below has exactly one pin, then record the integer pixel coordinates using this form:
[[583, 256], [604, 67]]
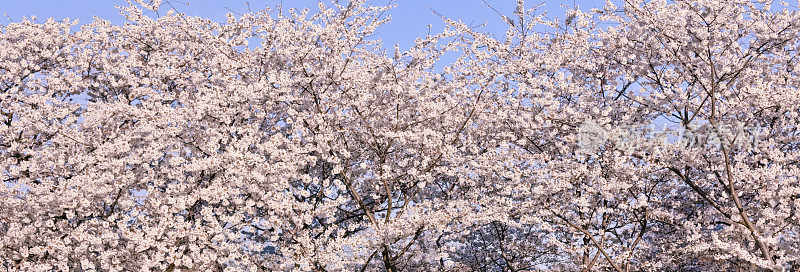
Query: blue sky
[[409, 20]]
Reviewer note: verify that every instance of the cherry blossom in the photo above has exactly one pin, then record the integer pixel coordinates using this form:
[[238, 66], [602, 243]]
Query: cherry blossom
[[291, 140]]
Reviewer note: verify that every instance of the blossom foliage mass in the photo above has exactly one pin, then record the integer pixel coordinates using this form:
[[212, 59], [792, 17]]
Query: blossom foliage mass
[[290, 140]]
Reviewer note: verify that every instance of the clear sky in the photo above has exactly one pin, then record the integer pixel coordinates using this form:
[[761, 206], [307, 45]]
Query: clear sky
[[409, 20]]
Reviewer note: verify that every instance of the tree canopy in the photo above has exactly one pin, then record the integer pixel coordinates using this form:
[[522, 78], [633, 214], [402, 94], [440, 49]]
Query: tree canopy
[[650, 136]]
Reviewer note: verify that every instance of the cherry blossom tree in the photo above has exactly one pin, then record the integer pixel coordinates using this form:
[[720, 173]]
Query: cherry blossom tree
[[292, 140], [724, 72]]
